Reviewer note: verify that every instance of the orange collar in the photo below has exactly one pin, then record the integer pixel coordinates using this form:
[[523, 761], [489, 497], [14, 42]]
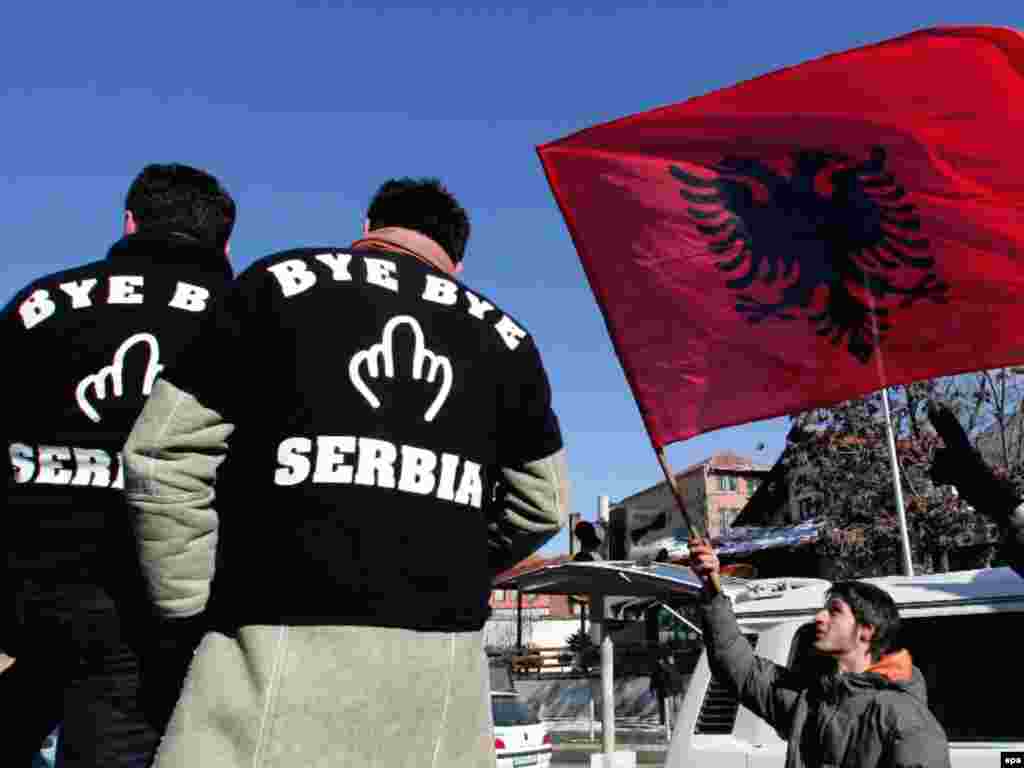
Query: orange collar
[[409, 242], [894, 666]]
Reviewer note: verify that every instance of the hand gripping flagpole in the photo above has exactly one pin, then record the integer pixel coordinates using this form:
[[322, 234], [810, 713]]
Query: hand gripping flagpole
[[713, 581]]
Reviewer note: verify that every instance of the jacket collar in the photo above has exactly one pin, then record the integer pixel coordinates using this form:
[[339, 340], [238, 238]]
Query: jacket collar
[[892, 671], [896, 667], [167, 247], [409, 242]]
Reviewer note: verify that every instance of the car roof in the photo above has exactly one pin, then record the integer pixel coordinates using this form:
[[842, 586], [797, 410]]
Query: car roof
[[763, 597], [989, 585]]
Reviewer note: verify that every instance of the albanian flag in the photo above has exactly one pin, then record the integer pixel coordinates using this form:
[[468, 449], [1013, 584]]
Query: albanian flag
[[811, 235]]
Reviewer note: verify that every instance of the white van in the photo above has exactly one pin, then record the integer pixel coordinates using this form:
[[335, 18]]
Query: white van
[[965, 631]]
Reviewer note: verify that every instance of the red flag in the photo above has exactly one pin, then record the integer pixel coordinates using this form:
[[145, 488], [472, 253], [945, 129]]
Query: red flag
[[810, 235]]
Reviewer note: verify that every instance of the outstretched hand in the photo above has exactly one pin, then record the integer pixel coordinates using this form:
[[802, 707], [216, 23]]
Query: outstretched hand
[[949, 462], [948, 427], [960, 464]]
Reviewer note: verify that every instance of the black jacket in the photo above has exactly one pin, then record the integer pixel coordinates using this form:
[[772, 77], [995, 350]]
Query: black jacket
[[376, 402], [81, 350]]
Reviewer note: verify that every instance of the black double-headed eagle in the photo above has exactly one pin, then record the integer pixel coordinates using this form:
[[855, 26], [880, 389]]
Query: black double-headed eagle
[[834, 224]]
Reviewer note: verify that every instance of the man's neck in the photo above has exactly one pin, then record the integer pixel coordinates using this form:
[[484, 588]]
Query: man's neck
[[853, 662], [409, 242]]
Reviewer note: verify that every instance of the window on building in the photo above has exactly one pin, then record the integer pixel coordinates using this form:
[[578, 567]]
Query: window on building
[[752, 484], [809, 508], [801, 507], [727, 483]]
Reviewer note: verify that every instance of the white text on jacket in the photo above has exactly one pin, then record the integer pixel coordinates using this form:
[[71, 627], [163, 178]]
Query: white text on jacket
[[65, 465], [296, 276], [380, 464], [121, 289]]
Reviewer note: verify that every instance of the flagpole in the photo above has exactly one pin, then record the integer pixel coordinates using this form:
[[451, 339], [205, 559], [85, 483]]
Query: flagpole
[[715, 584], [901, 512]]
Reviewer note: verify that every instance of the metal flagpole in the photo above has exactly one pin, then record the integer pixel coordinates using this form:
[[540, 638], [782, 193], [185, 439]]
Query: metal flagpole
[[901, 511], [908, 563]]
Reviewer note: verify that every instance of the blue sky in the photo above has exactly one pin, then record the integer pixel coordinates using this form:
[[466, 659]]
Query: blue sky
[[304, 108]]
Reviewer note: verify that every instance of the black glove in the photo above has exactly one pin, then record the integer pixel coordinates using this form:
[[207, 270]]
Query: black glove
[[961, 465]]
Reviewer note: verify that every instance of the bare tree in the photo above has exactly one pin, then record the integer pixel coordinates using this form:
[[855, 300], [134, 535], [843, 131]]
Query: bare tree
[[846, 462]]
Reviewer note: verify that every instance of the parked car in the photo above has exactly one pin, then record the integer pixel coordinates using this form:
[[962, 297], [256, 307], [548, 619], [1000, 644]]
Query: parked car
[[963, 630], [520, 739]]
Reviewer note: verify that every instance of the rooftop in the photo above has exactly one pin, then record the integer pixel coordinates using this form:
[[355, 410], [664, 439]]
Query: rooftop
[[723, 461], [981, 587]]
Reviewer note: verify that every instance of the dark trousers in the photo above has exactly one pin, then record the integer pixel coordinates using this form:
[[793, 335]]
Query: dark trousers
[[78, 670], [32, 702]]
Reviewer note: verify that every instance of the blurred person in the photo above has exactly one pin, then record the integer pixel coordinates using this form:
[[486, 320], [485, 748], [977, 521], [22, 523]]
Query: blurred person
[[83, 347], [590, 543], [960, 464], [376, 447]]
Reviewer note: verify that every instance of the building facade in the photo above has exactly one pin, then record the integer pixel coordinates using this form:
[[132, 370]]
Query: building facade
[[715, 491]]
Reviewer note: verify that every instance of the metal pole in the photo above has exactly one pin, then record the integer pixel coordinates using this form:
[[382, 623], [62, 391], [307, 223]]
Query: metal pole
[[607, 693], [597, 618], [603, 507], [901, 512], [519, 620]]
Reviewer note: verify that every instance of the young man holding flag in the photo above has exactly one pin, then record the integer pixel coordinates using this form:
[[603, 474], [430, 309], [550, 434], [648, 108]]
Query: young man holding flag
[[871, 711]]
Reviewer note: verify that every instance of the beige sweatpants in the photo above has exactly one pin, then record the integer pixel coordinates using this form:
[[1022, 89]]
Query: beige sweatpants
[[313, 697]]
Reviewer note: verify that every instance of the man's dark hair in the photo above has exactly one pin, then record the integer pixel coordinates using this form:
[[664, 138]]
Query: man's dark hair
[[871, 606], [179, 198], [425, 206], [586, 533]]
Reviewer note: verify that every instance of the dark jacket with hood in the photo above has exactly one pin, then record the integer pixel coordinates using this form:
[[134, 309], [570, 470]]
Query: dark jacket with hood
[[82, 349], [879, 717]]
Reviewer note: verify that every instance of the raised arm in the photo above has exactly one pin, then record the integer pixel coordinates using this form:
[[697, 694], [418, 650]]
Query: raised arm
[[960, 464], [765, 688]]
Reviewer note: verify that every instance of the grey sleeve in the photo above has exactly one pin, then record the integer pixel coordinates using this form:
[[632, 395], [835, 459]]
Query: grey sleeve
[[532, 507], [171, 460], [765, 688], [922, 746]]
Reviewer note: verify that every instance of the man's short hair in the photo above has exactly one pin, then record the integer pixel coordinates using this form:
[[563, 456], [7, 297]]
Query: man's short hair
[[587, 534], [179, 198], [424, 206], [871, 606]]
